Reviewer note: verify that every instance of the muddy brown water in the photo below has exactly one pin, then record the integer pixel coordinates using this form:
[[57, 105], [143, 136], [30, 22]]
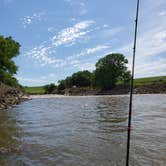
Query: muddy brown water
[[83, 131]]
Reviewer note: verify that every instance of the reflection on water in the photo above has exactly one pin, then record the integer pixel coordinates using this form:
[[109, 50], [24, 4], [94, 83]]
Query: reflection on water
[[83, 131]]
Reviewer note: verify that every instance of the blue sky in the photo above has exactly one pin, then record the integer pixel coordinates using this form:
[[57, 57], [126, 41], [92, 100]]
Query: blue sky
[[59, 37]]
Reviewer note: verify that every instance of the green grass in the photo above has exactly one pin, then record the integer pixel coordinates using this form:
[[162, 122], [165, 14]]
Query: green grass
[[150, 81], [34, 90]]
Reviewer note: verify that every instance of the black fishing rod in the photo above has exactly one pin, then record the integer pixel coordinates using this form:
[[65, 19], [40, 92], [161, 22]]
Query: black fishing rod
[[131, 87]]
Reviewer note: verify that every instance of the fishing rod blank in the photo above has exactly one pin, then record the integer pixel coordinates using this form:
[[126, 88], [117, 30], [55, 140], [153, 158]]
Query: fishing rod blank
[[131, 87]]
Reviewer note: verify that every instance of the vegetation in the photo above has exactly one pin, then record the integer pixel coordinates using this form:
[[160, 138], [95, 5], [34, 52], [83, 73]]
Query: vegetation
[[79, 79], [137, 82], [49, 88], [150, 81], [34, 90], [9, 49], [110, 70]]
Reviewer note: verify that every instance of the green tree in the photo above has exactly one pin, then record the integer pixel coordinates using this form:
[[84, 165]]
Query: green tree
[[68, 83], [49, 88], [61, 85], [109, 70], [9, 49], [82, 79]]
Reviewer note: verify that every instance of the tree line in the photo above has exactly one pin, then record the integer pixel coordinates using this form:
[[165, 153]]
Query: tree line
[[110, 70]]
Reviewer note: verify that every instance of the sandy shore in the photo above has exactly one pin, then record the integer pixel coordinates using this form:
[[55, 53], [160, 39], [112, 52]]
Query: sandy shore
[[46, 96], [65, 96]]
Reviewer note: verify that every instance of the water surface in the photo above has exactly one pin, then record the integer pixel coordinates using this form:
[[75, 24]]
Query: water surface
[[85, 131]]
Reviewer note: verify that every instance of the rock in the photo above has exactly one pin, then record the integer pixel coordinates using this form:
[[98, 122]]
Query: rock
[[10, 96]]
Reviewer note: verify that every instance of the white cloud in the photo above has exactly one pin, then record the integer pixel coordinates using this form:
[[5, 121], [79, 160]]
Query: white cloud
[[43, 54], [32, 80], [105, 26], [151, 68], [74, 60], [73, 19], [51, 29], [69, 35], [88, 51], [93, 50], [162, 13], [85, 66], [150, 45], [51, 77], [27, 20], [109, 32]]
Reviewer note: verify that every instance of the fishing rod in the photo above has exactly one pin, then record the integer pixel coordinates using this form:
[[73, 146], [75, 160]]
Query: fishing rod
[[131, 86]]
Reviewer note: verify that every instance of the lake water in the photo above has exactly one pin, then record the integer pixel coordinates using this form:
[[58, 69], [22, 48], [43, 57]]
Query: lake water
[[83, 131]]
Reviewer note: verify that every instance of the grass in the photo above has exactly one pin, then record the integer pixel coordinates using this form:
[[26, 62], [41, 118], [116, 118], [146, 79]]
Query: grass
[[150, 81], [34, 90]]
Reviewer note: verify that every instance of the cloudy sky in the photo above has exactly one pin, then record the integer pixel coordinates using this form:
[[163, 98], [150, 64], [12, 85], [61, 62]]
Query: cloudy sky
[[59, 37]]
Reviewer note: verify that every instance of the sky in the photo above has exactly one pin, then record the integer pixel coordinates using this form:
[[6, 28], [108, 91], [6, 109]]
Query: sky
[[60, 37]]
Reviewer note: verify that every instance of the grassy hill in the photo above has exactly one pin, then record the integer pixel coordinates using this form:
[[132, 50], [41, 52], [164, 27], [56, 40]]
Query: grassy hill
[[34, 90], [137, 82], [150, 81]]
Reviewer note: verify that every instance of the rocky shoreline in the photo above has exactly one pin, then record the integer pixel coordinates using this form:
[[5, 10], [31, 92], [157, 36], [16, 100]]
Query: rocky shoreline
[[10, 96]]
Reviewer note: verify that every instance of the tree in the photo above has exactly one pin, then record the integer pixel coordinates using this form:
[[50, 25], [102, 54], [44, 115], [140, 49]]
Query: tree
[[49, 88], [68, 83], [82, 78], [9, 49], [109, 70], [61, 85]]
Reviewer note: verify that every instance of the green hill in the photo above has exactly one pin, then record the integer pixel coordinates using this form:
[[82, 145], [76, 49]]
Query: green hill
[[34, 90], [150, 81]]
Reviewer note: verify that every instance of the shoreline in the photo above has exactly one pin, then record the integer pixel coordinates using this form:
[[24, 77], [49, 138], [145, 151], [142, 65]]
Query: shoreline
[[119, 90], [10, 96], [45, 96], [66, 96]]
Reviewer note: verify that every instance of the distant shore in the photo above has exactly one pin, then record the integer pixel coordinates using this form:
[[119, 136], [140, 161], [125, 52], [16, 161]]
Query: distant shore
[[65, 96], [118, 91], [141, 86]]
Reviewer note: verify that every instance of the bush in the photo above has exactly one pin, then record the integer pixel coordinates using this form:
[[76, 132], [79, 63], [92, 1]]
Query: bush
[[49, 88]]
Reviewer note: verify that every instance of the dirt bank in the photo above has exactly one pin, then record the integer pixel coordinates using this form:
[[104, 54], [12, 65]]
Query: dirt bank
[[120, 90], [10, 96]]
